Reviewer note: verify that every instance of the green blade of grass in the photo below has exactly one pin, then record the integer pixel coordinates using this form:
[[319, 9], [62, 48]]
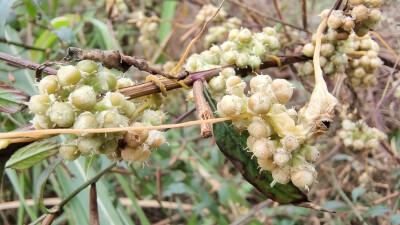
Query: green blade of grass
[[129, 193]]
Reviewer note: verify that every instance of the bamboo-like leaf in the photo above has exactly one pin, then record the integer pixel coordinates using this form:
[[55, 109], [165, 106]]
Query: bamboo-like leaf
[[32, 154], [4, 10], [232, 144], [11, 99], [42, 182]]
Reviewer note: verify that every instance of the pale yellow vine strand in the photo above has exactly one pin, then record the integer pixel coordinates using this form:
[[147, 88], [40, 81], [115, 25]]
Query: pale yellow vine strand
[[35, 133]]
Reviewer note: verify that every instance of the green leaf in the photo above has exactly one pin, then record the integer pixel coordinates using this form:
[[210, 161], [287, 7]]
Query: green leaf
[[378, 210], [102, 31], [5, 6], [131, 195], [32, 154], [395, 219], [65, 34], [31, 8], [42, 182], [334, 205], [233, 144], [168, 12], [11, 99], [357, 192]]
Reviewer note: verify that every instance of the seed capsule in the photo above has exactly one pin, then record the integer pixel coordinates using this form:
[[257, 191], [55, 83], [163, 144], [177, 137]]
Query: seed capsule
[[303, 176], [282, 157], [68, 75], [83, 98], [230, 105], [136, 137], [39, 104], [89, 145], [263, 148], [87, 66], [48, 85], [69, 152], [260, 83], [62, 114], [290, 142], [259, 103], [281, 175], [283, 90], [259, 129]]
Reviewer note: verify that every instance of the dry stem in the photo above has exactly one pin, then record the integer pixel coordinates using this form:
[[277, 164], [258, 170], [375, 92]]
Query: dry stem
[[203, 109]]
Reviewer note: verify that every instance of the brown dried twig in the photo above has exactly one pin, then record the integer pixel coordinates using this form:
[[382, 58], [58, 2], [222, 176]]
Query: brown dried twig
[[203, 109], [94, 212], [113, 59]]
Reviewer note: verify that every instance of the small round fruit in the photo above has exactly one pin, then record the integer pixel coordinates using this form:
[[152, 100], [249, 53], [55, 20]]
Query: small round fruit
[[263, 148], [217, 84], [259, 129], [259, 83], [245, 35], [308, 50], [62, 114], [83, 98], [282, 157], [156, 139], [281, 175], [283, 90], [114, 156], [48, 85], [86, 120], [69, 152], [266, 164], [303, 176], [41, 122], [89, 145], [68, 75], [135, 138], [87, 66], [109, 146], [230, 105], [39, 104], [259, 103], [289, 142]]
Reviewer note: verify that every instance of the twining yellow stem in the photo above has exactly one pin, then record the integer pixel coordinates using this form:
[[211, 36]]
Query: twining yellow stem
[[319, 79], [180, 63], [385, 44], [35, 133]]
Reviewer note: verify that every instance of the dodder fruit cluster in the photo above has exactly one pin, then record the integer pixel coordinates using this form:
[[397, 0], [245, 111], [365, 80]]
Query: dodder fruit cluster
[[359, 136], [360, 16], [345, 50], [69, 100], [276, 140], [243, 48]]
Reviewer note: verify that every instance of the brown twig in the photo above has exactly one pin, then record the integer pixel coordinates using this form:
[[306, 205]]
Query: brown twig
[[259, 13], [159, 183], [48, 219], [175, 157], [203, 109], [387, 197], [113, 59], [253, 211], [22, 45], [304, 13], [23, 63], [148, 88], [94, 212]]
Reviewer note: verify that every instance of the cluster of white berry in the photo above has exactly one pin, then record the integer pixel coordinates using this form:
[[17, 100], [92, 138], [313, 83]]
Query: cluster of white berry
[[70, 100], [362, 71], [359, 135], [333, 57], [360, 16], [148, 27], [218, 33], [243, 49], [346, 46], [276, 138]]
